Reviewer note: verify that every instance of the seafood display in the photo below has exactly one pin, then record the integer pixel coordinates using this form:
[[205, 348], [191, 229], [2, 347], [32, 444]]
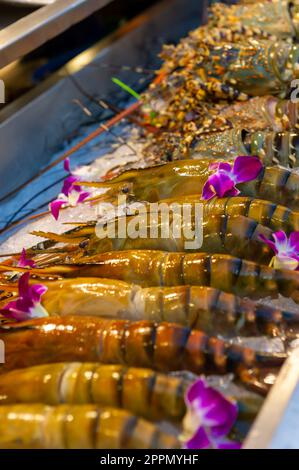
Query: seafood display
[[181, 291]]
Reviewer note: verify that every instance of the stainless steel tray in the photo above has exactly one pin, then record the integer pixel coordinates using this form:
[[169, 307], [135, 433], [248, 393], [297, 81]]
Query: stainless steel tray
[[35, 29], [277, 425], [28, 3]]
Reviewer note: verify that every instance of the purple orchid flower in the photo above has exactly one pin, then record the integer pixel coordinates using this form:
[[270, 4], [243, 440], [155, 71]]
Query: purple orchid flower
[[71, 193], [223, 181], [209, 418], [28, 305], [24, 262], [286, 250]]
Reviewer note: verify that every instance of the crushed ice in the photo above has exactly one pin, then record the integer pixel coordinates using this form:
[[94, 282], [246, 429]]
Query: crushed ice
[[260, 343]]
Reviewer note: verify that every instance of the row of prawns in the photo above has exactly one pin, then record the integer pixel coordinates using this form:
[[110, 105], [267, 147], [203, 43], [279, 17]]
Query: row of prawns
[[102, 352]]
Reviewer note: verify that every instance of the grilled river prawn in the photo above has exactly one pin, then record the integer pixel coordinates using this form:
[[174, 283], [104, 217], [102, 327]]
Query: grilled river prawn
[[150, 268], [187, 177], [38, 426], [163, 347], [143, 392], [205, 308]]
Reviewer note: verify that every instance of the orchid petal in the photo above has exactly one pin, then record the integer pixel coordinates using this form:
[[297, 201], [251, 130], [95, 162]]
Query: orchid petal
[[227, 412], [55, 207], [83, 195], [246, 168], [24, 304], [37, 291], [232, 192], [285, 262], [269, 243], [24, 284], [207, 191], [11, 311], [281, 240], [227, 444], [199, 440], [24, 262], [77, 188], [222, 183], [66, 165], [70, 184], [217, 412], [28, 304], [209, 408], [194, 391], [214, 166], [294, 242], [225, 166]]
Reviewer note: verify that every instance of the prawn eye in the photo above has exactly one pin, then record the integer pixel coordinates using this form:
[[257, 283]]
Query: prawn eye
[[125, 189], [83, 244]]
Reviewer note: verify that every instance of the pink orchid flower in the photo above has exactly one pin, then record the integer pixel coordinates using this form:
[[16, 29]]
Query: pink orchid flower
[[286, 250], [209, 418], [24, 262], [28, 305], [71, 193], [223, 182]]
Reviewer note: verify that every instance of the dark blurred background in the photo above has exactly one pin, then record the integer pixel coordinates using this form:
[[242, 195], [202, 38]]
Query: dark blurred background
[[24, 74]]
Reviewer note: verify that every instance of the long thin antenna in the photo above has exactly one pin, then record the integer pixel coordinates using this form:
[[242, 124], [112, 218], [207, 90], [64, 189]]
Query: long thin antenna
[[124, 114], [114, 120]]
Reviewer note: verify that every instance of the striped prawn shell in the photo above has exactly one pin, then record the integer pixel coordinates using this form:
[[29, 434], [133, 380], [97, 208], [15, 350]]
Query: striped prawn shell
[[206, 308], [143, 392], [216, 233], [163, 347], [150, 268], [187, 177], [236, 235], [38, 426]]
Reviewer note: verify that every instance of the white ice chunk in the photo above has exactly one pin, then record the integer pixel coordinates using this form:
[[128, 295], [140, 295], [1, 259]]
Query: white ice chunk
[[119, 157], [281, 302], [260, 343]]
